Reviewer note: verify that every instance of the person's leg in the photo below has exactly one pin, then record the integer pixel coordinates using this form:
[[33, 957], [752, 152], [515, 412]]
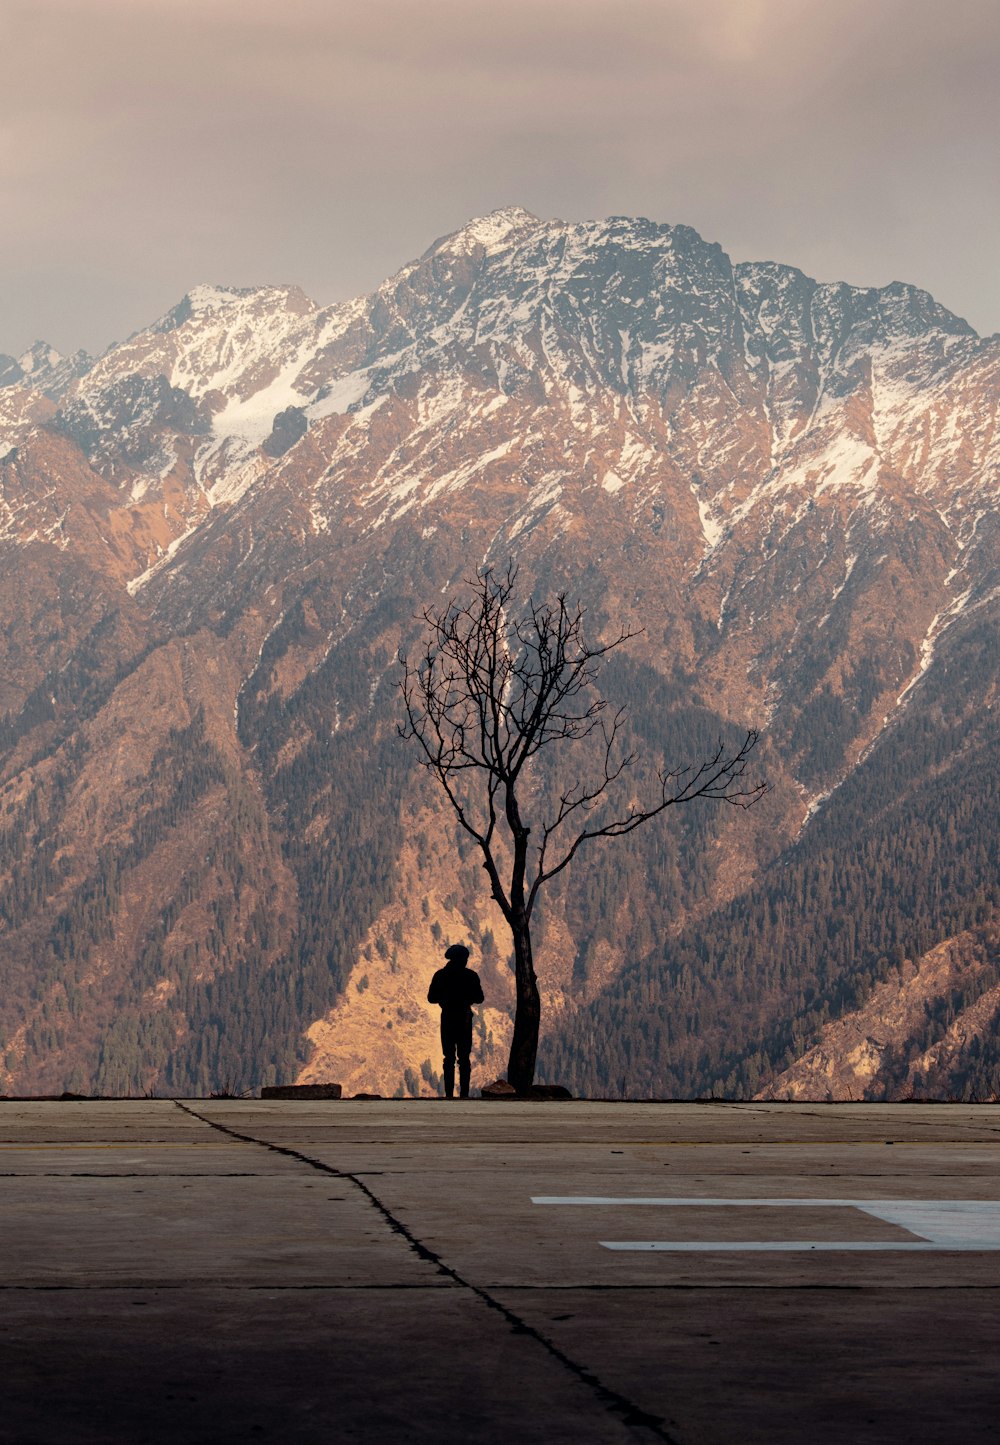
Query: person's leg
[[448, 1060], [464, 1043]]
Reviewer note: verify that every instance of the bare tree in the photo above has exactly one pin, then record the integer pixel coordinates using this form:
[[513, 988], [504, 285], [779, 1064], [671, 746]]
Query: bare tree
[[488, 694]]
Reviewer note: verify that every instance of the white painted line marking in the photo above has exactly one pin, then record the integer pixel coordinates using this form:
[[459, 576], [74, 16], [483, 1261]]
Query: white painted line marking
[[944, 1224], [743, 1246], [715, 1202]]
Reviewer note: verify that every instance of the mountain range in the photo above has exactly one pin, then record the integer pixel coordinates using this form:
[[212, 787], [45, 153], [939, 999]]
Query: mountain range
[[221, 867]]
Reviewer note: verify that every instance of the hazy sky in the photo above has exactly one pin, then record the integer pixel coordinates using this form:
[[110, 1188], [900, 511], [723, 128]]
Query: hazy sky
[[148, 145]]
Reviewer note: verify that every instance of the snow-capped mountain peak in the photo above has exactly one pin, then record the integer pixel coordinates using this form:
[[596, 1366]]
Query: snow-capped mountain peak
[[39, 358], [493, 232], [803, 387]]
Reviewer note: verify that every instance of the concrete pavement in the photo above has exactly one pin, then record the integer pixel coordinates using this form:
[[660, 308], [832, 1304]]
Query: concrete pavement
[[406, 1271]]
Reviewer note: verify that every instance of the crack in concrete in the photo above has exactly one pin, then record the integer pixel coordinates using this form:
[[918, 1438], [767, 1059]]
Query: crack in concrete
[[630, 1414]]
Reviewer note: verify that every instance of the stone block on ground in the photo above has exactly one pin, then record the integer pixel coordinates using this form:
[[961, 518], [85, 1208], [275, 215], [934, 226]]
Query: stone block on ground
[[301, 1091]]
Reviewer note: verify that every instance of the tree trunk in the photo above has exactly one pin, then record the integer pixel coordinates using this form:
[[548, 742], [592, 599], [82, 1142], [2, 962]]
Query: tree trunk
[[527, 1012]]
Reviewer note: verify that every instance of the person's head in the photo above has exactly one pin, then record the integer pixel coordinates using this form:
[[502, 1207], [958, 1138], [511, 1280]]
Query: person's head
[[457, 955]]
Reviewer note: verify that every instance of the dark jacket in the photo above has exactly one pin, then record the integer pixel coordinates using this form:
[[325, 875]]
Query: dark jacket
[[456, 988]]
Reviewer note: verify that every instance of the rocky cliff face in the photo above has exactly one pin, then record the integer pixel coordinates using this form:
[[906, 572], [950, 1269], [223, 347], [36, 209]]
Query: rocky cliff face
[[913, 1035], [214, 539]]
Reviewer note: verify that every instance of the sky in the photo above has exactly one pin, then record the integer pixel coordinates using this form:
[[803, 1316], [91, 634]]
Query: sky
[[150, 145]]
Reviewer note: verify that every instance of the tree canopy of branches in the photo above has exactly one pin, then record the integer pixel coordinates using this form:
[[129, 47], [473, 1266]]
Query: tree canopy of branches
[[503, 707]]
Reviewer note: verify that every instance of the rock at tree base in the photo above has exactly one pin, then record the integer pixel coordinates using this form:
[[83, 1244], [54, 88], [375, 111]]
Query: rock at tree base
[[502, 1090], [301, 1091]]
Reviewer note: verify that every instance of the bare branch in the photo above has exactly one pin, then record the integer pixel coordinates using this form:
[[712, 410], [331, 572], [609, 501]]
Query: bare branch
[[719, 777], [488, 694]]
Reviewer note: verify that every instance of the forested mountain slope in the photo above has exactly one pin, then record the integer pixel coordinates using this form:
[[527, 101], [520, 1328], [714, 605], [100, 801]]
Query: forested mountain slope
[[220, 865]]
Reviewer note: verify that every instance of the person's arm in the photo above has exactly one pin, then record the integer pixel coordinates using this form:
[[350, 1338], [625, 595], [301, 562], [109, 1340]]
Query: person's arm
[[432, 992], [476, 993]]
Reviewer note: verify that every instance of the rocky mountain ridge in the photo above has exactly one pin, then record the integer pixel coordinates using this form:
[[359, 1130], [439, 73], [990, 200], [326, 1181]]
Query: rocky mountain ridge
[[869, 1052], [790, 486]]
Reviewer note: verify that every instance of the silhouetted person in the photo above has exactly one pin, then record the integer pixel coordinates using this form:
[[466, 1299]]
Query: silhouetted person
[[456, 988]]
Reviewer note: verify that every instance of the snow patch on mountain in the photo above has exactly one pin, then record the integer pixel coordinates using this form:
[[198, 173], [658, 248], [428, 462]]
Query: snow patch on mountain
[[39, 358], [712, 528], [340, 396], [938, 625], [250, 418], [492, 232]]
